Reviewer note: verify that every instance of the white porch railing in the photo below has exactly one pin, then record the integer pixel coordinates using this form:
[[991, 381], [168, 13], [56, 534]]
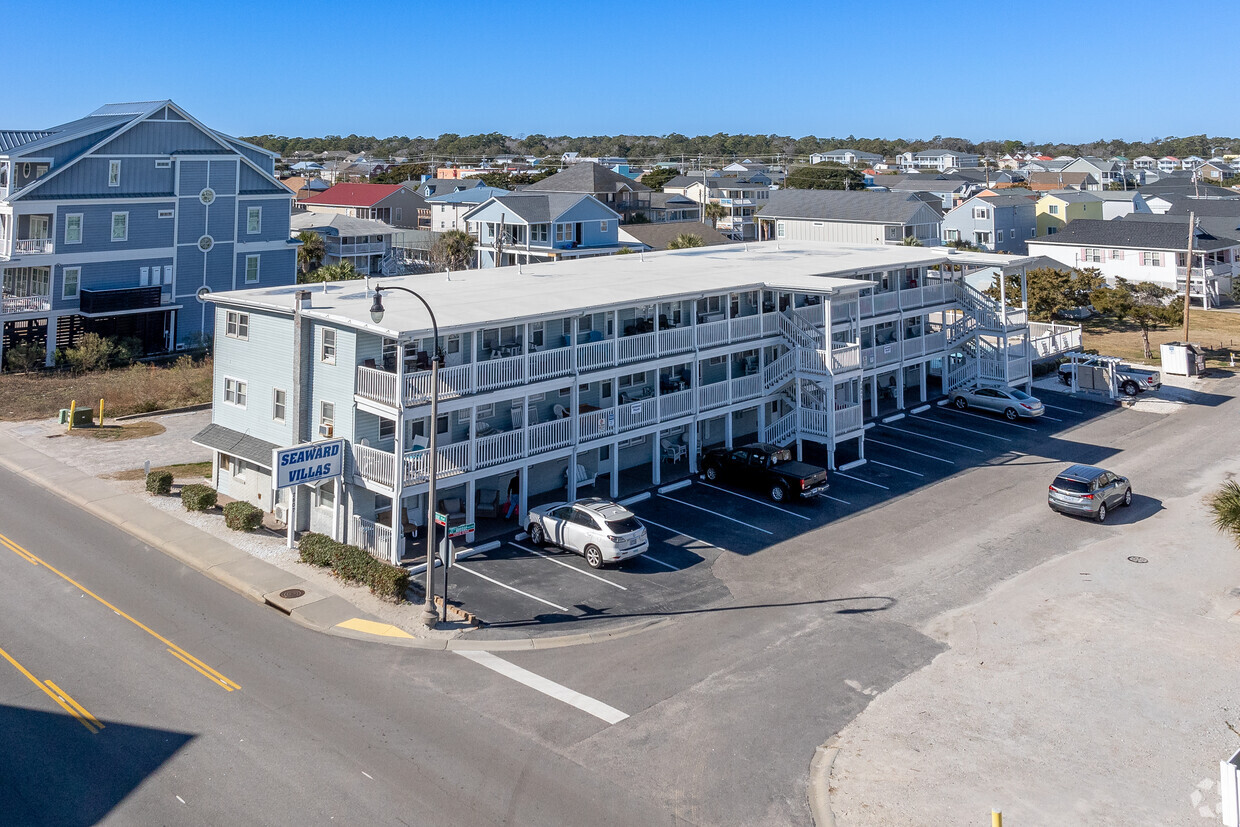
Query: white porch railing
[[886, 302], [914, 347], [547, 364], [815, 422], [451, 460], [745, 327], [25, 304], [636, 414], [32, 246], [374, 384], [595, 424], [634, 348], [712, 333], [1052, 339], [453, 382], [500, 373], [936, 341], [712, 396], [848, 418], [376, 538], [746, 387], [845, 358], [777, 372], [991, 370], [493, 449], [886, 353], [673, 405], [547, 436], [816, 362], [374, 465], [782, 430], [675, 340], [596, 354]]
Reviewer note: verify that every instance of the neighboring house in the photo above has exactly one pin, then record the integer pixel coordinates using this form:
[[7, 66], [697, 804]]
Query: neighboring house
[[1119, 203], [303, 188], [740, 196], [1215, 170], [439, 186], [1051, 181], [949, 191], [619, 192], [363, 242], [1056, 209], [1191, 162], [1153, 249], [626, 367], [537, 227], [995, 223], [847, 157], [1144, 162], [307, 167], [394, 204], [657, 236], [855, 217], [937, 159], [669, 206], [448, 210], [1103, 172], [117, 223], [1168, 163]]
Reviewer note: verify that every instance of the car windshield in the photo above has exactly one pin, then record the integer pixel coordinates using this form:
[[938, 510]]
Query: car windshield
[[624, 526], [1070, 485], [1021, 395]]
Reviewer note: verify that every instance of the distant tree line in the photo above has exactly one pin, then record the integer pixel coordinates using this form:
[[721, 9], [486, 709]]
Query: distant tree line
[[717, 147]]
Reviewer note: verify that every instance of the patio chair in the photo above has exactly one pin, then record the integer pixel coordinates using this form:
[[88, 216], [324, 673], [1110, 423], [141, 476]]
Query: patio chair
[[488, 502], [584, 478], [560, 411], [672, 450], [453, 508]]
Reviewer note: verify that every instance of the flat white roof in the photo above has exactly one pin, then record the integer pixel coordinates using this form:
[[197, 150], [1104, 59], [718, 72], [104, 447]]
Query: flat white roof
[[468, 299]]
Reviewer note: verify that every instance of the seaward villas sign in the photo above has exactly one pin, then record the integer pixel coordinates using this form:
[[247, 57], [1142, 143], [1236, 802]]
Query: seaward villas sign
[[309, 463]]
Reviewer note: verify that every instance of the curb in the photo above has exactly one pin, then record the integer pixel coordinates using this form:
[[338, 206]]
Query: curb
[[820, 784], [205, 406]]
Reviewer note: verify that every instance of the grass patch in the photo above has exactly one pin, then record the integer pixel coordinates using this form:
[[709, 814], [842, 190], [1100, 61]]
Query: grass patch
[[180, 471], [115, 433], [135, 389], [1217, 331]]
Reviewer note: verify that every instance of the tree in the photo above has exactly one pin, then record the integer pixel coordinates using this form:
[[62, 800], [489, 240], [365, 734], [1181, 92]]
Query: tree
[[453, 249], [25, 357], [714, 211], [310, 253], [684, 241], [658, 177], [825, 176], [340, 271], [911, 241], [400, 173], [1051, 291], [1149, 305], [1225, 503]]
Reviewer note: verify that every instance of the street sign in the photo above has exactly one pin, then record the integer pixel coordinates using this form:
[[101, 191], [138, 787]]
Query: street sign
[[441, 519], [308, 463], [447, 553], [460, 530]]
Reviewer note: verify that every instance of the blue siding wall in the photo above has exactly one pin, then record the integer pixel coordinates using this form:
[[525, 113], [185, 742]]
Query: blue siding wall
[[160, 138], [89, 177], [146, 228], [223, 176], [274, 267], [193, 177], [252, 182], [102, 275], [274, 225], [222, 218], [62, 153]]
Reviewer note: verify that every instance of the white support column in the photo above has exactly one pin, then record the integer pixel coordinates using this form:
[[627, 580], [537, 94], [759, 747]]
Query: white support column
[[571, 476], [615, 469], [874, 395], [523, 495], [900, 386], [337, 534], [762, 419], [922, 368], [398, 476], [470, 506], [693, 446], [727, 430], [49, 357], [656, 458]]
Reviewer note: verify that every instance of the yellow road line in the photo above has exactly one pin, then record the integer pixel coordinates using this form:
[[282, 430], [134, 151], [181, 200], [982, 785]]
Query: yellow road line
[[65, 696], [55, 696], [180, 653]]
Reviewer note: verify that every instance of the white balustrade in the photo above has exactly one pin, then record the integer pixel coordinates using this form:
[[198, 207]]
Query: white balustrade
[[676, 404], [376, 385], [815, 422], [781, 431], [746, 387], [936, 341], [712, 333], [776, 372], [867, 306], [745, 327], [546, 364], [546, 436], [375, 465], [501, 373], [813, 361], [634, 348], [675, 340], [32, 246], [845, 358], [636, 414], [712, 396], [848, 418], [770, 323], [595, 424], [453, 382], [914, 347], [493, 449], [887, 353], [596, 354], [869, 357], [375, 538], [888, 302], [451, 460]]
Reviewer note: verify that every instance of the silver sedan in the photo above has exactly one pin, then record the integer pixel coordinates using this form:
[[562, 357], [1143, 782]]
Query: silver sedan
[[1011, 402]]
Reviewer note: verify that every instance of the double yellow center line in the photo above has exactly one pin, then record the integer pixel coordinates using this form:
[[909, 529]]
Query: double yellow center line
[[176, 651], [60, 696]]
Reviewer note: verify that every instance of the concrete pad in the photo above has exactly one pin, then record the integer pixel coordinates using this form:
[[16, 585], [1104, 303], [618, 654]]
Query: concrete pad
[[93, 489], [324, 611], [287, 604], [253, 577]]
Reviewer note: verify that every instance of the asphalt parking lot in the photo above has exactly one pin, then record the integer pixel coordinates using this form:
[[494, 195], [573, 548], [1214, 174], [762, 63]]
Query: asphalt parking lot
[[521, 587]]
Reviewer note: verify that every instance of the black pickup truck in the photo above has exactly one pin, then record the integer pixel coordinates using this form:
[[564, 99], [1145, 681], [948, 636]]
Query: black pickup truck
[[766, 467]]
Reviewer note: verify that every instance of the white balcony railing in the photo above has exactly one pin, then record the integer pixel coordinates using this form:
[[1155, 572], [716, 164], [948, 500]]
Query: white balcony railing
[[816, 362], [914, 347], [635, 348], [713, 396], [675, 340], [25, 304], [596, 354], [32, 246], [547, 436], [745, 327], [375, 465], [676, 404], [596, 424], [845, 358], [493, 449], [886, 302], [501, 373], [547, 364], [636, 414], [774, 374], [782, 430], [450, 461], [712, 333], [746, 387], [373, 537], [815, 422], [848, 418]]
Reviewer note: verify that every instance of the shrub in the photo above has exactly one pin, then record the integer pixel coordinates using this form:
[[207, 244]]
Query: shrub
[[198, 497], [159, 482], [316, 549], [388, 582], [241, 516], [25, 357], [93, 352], [352, 564]]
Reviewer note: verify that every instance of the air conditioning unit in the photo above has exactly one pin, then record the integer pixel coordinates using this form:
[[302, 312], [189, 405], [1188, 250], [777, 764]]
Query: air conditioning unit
[[280, 512], [325, 430]]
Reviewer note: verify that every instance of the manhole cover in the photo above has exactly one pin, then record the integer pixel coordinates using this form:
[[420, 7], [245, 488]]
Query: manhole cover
[[1133, 559], [289, 594]]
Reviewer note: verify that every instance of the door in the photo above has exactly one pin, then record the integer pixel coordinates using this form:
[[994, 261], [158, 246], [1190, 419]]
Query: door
[[38, 227], [579, 531], [555, 524], [989, 399], [736, 465]]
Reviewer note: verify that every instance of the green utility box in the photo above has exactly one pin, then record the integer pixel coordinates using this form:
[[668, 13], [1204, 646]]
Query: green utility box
[[63, 418], [83, 417]]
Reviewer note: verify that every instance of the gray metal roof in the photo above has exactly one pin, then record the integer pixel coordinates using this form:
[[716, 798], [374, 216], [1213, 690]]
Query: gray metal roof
[[1141, 234], [342, 224], [438, 186], [1006, 200], [537, 208], [251, 449], [13, 138], [840, 205], [474, 195], [82, 127], [588, 178], [657, 236]]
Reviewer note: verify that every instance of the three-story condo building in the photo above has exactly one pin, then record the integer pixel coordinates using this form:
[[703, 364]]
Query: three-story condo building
[[121, 222], [602, 375]]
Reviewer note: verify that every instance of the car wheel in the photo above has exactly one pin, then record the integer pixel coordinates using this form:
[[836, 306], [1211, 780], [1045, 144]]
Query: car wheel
[[778, 493], [1130, 388], [1128, 498], [1102, 512], [537, 537], [960, 402], [594, 557], [712, 473], [1011, 414]]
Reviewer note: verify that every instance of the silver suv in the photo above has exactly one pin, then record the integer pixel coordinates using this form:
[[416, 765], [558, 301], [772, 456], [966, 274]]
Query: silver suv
[[1087, 491]]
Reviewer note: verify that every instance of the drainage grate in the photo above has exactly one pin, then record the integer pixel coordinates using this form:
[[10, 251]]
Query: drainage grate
[[289, 594], [1133, 559]]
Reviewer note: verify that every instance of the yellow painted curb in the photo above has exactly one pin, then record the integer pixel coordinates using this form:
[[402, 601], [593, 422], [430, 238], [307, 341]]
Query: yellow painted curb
[[370, 627]]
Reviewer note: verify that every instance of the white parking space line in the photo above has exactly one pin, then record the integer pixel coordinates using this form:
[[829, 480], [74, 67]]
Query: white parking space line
[[717, 514], [896, 467], [835, 499], [550, 688], [961, 428], [653, 559], [753, 500], [1051, 418], [858, 479], [546, 556], [911, 451], [1067, 410], [995, 420], [468, 570], [935, 439], [679, 533]]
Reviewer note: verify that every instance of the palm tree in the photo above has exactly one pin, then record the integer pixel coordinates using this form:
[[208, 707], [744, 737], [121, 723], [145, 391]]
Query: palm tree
[[454, 250], [340, 271], [310, 253], [714, 211], [1226, 507], [684, 241], [912, 241]]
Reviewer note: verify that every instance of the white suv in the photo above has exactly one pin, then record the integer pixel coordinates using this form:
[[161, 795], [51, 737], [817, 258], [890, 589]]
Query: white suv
[[597, 529]]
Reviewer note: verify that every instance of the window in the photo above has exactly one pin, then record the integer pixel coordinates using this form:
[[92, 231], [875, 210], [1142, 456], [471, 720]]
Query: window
[[73, 277], [237, 325], [1053, 209], [538, 232], [327, 352], [779, 229], [399, 213], [114, 173], [454, 344], [327, 417], [234, 392], [602, 226], [73, 228], [441, 427], [253, 220], [325, 495], [1149, 259], [277, 405], [166, 213], [1052, 230], [251, 269], [563, 232], [998, 235], [1033, 231], [981, 212], [953, 235], [163, 164], [387, 428], [120, 226], [1092, 254]]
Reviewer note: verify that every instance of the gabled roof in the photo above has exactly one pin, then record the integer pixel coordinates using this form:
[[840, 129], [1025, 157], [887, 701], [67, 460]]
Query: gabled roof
[[342, 224], [80, 128], [13, 138], [1073, 196], [474, 195], [588, 178], [1004, 200], [1140, 234], [922, 183], [355, 195], [438, 186], [839, 205]]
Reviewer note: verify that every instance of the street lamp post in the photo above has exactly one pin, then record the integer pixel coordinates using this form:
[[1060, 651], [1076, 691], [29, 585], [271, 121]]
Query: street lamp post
[[430, 617]]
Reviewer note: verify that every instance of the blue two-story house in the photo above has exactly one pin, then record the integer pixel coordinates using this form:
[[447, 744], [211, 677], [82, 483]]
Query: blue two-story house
[[123, 222], [994, 223], [542, 227]]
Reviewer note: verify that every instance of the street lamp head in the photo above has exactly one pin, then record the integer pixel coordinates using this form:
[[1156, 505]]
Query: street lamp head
[[376, 308]]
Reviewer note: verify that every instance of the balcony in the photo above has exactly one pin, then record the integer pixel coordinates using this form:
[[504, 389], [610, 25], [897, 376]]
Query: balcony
[[24, 304], [360, 249], [98, 302], [33, 247]]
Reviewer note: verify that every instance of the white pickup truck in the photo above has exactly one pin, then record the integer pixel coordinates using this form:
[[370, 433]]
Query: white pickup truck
[[1130, 380]]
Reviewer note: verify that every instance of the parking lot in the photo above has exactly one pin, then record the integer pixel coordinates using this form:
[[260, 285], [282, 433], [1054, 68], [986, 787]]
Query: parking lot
[[519, 586]]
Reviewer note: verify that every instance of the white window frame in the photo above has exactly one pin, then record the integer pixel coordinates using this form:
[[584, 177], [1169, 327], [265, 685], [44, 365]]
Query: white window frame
[[167, 213], [779, 229], [163, 163], [253, 220], [125, 218], [77, 282], [237, 325], [327, 414], [279, 404], [398, 214], [236, 392], [327, 350], [981, 212], [255, 260], [69, 220], [114, 173], [602, 226]]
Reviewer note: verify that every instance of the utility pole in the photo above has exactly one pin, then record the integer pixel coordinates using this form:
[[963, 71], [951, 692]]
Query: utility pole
[[1188, 273]]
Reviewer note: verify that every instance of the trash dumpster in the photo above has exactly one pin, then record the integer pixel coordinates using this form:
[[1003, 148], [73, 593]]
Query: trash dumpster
[[1182, 359]]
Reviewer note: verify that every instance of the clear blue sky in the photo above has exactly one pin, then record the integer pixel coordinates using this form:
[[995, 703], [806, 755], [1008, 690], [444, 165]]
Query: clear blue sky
[[1050, 71]]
